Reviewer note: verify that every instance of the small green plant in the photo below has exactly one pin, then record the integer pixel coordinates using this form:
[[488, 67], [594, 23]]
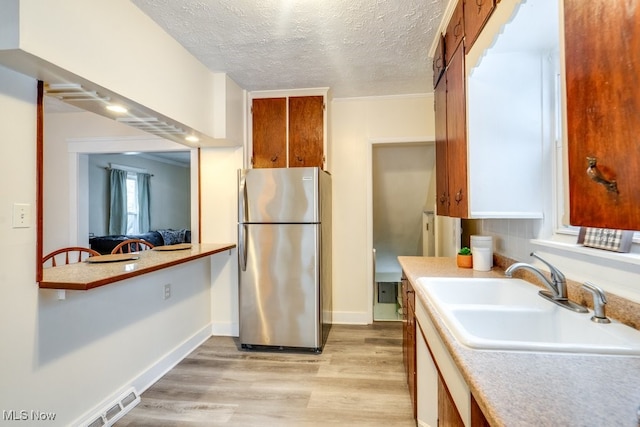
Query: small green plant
[[464, 251]]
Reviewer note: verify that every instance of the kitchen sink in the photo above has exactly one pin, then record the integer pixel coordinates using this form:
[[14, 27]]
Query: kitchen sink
[[498, 291], [507, 314]]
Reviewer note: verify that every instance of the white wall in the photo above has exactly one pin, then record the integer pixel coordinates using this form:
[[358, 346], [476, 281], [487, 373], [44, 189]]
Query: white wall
[[356, 124], [68, 356], [219, 218]]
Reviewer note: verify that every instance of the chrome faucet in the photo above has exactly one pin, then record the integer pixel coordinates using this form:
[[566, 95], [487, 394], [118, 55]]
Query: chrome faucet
[[557, 286]]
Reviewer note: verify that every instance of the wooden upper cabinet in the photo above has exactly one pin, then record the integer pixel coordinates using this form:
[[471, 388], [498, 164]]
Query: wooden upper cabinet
[[288, 131], [306, 131], [455, 31], [442, 169], [457, 136], [438, 61], [603, 112], [476, 13], [269, 126]]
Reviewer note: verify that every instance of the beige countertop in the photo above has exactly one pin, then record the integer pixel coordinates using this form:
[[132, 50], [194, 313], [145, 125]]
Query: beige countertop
[[85, 275], [536, 389]]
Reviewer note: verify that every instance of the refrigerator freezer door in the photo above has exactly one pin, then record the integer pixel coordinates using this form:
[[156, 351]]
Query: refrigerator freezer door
[[280, 195], [279, 289]]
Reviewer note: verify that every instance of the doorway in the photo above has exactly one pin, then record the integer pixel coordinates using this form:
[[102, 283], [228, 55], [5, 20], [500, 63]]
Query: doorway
[[403, 195]]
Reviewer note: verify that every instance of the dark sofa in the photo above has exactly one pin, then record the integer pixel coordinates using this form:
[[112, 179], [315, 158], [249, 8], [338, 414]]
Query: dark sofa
[[105, 244]]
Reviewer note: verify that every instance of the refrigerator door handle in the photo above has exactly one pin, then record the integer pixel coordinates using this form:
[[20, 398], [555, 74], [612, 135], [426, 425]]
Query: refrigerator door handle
[[242, 250], [242, 196]]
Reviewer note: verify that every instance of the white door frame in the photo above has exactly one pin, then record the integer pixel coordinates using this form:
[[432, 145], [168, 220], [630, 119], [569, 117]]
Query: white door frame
[[370, 262]]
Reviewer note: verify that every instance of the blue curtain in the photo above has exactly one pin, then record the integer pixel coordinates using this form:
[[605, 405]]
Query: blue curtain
[[118, 202], [144, 214]]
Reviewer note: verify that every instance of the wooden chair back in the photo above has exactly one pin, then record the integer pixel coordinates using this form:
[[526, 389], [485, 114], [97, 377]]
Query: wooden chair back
[[72, 254], [132, 245]]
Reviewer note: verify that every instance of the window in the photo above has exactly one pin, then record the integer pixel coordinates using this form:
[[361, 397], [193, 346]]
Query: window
[[132, 203], [129, 200]]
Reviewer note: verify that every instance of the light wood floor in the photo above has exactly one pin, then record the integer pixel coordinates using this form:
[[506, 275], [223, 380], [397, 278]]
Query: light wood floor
[[358, 380]]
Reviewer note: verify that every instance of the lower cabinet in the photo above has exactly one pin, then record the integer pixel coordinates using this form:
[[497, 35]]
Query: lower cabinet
[[440, 395], [447, 412], [409, 338], [427, 382]]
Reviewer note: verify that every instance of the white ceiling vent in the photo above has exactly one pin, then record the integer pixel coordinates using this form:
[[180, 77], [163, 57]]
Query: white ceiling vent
[[70, 92], [151, 125]]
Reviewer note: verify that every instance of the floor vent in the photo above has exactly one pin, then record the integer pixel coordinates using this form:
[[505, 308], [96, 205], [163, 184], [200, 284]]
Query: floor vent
[[116, 410]]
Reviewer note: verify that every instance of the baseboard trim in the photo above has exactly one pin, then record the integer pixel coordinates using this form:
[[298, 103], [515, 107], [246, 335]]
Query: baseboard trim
[[225, 329], [152, 374], [351, 318], [171, 359]]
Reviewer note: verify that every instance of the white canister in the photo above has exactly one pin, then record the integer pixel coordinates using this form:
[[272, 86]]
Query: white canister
[[483, 242], [482, 258]]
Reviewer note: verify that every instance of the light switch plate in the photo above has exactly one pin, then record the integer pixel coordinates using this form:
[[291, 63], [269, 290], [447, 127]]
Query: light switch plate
[[21, 215]]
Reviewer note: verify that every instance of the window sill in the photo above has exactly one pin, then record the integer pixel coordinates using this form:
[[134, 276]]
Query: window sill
[[626, 258]]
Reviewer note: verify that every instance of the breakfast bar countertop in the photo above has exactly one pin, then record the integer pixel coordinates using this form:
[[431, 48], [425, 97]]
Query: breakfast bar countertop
[[85, 275], [519, 388]]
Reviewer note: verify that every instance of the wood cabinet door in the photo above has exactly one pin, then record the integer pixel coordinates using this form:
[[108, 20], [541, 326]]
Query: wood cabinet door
[[476, 13], [405, 326], [455, 31], [411, 350], [602, 65], [306, 131], [477, 416], [457, 136], [438, 61], [442, 168], [269, 117], [448, 415]]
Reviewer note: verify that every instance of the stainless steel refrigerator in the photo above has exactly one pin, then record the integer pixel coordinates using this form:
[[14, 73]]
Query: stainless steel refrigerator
[[284, 257]]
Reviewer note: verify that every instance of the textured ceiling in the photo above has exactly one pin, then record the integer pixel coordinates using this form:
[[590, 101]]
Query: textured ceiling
[[355, 47]]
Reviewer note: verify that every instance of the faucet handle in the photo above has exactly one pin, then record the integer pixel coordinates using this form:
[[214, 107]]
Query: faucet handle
[[599, 301], [556, 274], [557, 277]]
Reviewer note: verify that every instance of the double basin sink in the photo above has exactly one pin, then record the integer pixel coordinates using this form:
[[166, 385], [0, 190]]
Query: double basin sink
[[508, 314]]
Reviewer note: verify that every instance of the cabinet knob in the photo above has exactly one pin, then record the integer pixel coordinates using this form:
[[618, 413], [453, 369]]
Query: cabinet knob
[[457, 30], [458, 197], [274, 158], [443, 198], [300, 159], [596, 175]]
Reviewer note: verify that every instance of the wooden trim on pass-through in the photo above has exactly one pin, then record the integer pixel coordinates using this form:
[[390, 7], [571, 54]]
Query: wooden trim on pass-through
[[39, 180]]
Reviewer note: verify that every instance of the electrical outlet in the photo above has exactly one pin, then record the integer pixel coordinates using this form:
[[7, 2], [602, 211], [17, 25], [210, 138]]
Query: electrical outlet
[[21, 215], [167, 291]]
